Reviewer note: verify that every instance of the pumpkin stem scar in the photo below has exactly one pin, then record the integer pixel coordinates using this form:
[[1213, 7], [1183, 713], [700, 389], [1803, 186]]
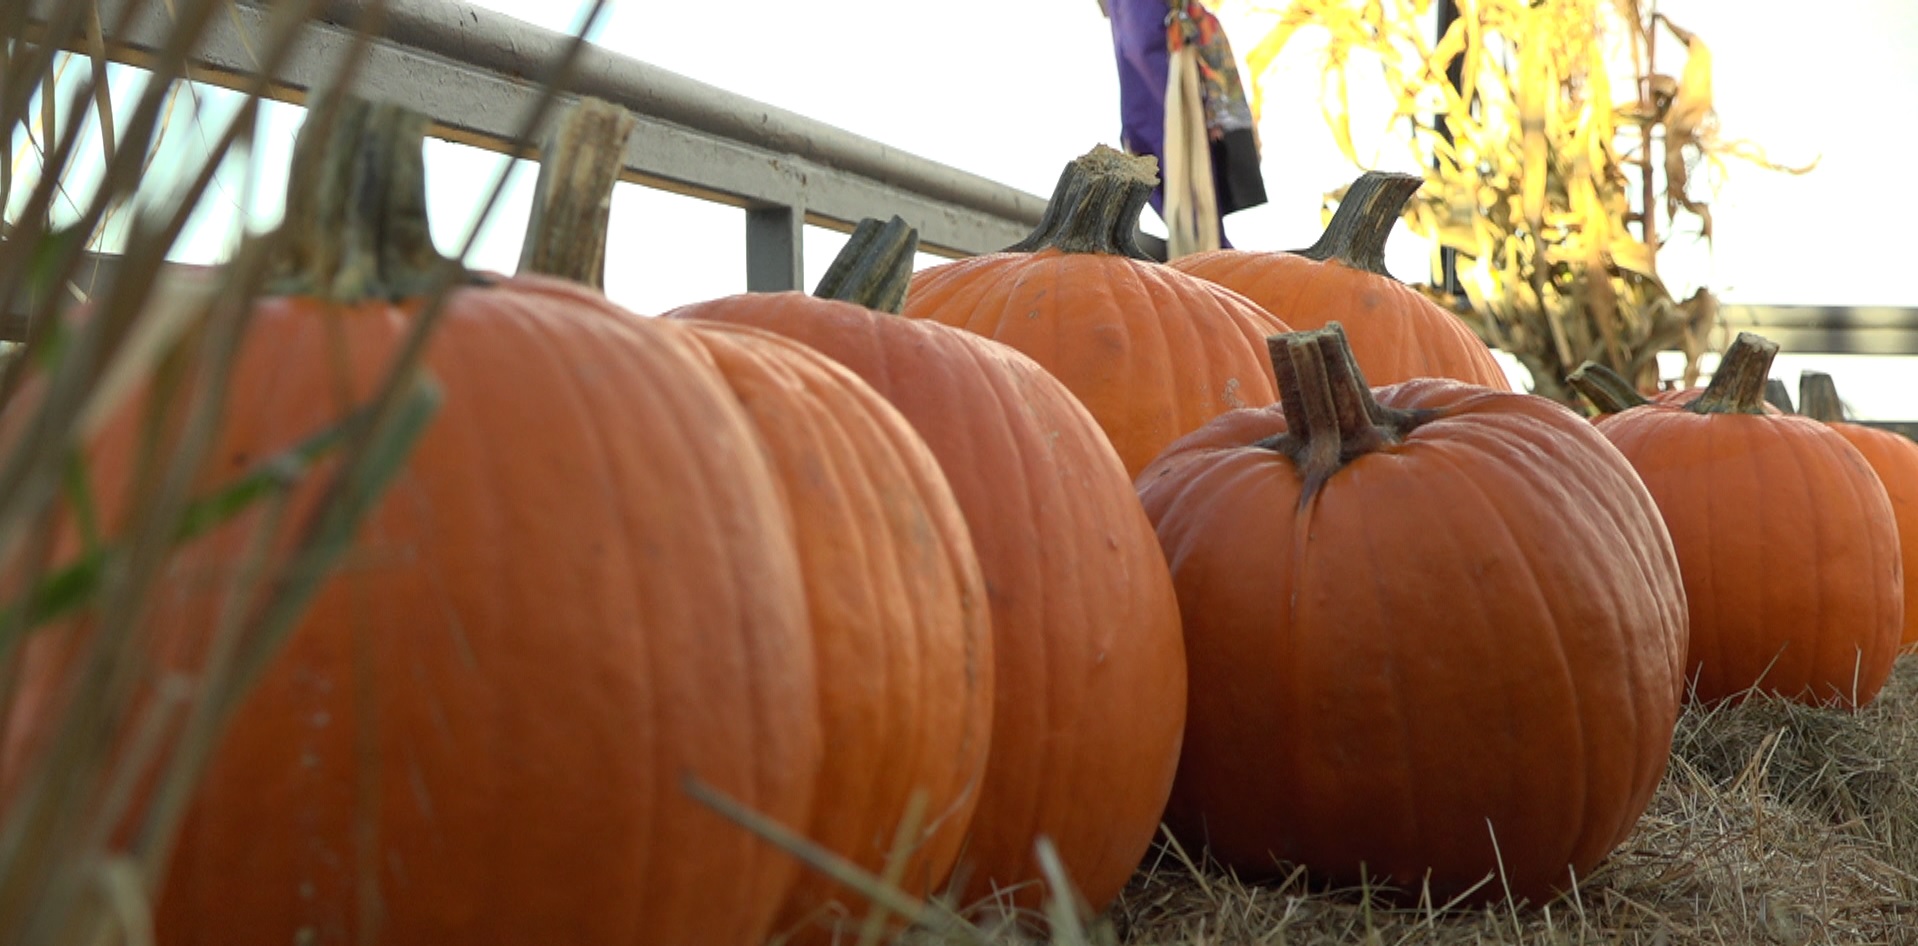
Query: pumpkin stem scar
[[1095, 206], [875, 266], [1331, 416], [1606, 389], [573, 197], [1359, 228], [1738, 385], [359, 230], [1818, 397]]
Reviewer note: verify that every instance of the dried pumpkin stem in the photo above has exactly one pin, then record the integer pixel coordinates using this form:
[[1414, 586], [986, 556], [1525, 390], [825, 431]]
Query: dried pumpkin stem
[[1738, 386], [573, 197], [1818, 397], [1606, 389], [1364, 221], [355, 226], [875, 266], [1779, 396], [1331, 416], [1096, 205]]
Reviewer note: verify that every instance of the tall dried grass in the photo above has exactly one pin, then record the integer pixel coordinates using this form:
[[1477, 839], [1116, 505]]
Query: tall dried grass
[[88, 814]]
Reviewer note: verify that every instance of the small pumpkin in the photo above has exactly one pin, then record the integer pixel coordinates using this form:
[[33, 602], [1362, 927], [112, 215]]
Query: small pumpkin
[[1784, 534], [1436, 632], [1151, 352], [581, 588], [1090, 667], [1396, 333], [1895, 460]]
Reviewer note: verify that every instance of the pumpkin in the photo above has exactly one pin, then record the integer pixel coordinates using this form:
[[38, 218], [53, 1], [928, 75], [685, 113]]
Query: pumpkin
[[899, 615], [1151, 352], [898, 605], [1090, 670], [581, 589], [1440, 631], [1396, 333], [1784, 534], [1895, 460]]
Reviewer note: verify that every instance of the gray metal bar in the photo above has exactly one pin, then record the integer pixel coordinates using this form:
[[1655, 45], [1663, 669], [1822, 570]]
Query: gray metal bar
[[1908, 428], [1854, 330], [775, 249], [465, 68]]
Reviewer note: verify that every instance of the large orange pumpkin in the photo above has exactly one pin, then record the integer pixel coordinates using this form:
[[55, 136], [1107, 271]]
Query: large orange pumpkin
[[1785, 535], [1437, 638], [1151, 352], [1090, 679], [1894, 459], [898, 605], [1396, 333], [581, 589], [899, 615]]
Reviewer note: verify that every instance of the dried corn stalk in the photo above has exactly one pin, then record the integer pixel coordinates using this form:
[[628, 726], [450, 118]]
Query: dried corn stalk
[[1534, 157]]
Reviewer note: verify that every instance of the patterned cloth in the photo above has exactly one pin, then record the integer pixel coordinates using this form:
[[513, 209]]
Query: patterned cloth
[[1141, 39], [1226, 105]]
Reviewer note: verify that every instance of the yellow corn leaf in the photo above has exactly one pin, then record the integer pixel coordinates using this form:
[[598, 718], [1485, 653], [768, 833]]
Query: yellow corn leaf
[[1535, 73], [1634, 256]]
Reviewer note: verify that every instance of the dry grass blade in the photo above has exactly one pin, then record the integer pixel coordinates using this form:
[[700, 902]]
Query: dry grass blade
[[842, 871], [119, 753]]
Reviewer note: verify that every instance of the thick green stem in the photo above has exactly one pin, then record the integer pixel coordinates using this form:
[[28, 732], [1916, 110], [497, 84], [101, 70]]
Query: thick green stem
[[1779, 396], [1738, 385], [874, 268], [1364, 221], [1331, 416], [355, 225], [573, 198], [1606, 389], [1095, 206], [1818, 397]]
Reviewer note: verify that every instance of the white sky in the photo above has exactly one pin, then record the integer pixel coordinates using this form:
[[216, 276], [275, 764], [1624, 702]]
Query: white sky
[[1013, 91]]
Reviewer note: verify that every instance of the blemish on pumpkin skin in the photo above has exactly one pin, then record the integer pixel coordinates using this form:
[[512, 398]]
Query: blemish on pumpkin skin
[[1231, 395]]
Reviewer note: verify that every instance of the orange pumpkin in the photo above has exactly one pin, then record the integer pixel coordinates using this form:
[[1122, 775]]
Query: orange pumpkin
[[581, 588], [1784, 534], [1151, 352], [1895, 460], [899, 616], [1090, 668], [898, 605], [1437, 633], [1396, 333]]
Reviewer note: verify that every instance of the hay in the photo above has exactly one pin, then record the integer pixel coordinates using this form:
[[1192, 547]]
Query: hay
[[1776, 824]]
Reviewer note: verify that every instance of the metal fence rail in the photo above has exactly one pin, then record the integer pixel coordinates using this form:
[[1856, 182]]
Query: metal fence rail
[[466, 68]]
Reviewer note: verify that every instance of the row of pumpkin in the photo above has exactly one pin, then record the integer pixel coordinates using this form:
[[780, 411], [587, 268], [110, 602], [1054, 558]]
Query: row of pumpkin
[[1051, 543]]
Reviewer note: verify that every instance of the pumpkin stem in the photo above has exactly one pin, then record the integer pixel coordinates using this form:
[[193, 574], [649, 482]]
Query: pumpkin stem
[[874, 268], [1738, 386], [355, 225], [1818, 397], [1606, 389], [1359, 228], [1096, 205], [1779, 396], [1331, 416], [573, 197]]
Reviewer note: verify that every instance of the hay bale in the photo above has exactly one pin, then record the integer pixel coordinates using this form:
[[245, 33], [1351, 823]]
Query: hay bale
[[1776, 824]]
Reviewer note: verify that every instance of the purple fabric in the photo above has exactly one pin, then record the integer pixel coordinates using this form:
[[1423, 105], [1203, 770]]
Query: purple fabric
[[1138, 41], [1139, 45]]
